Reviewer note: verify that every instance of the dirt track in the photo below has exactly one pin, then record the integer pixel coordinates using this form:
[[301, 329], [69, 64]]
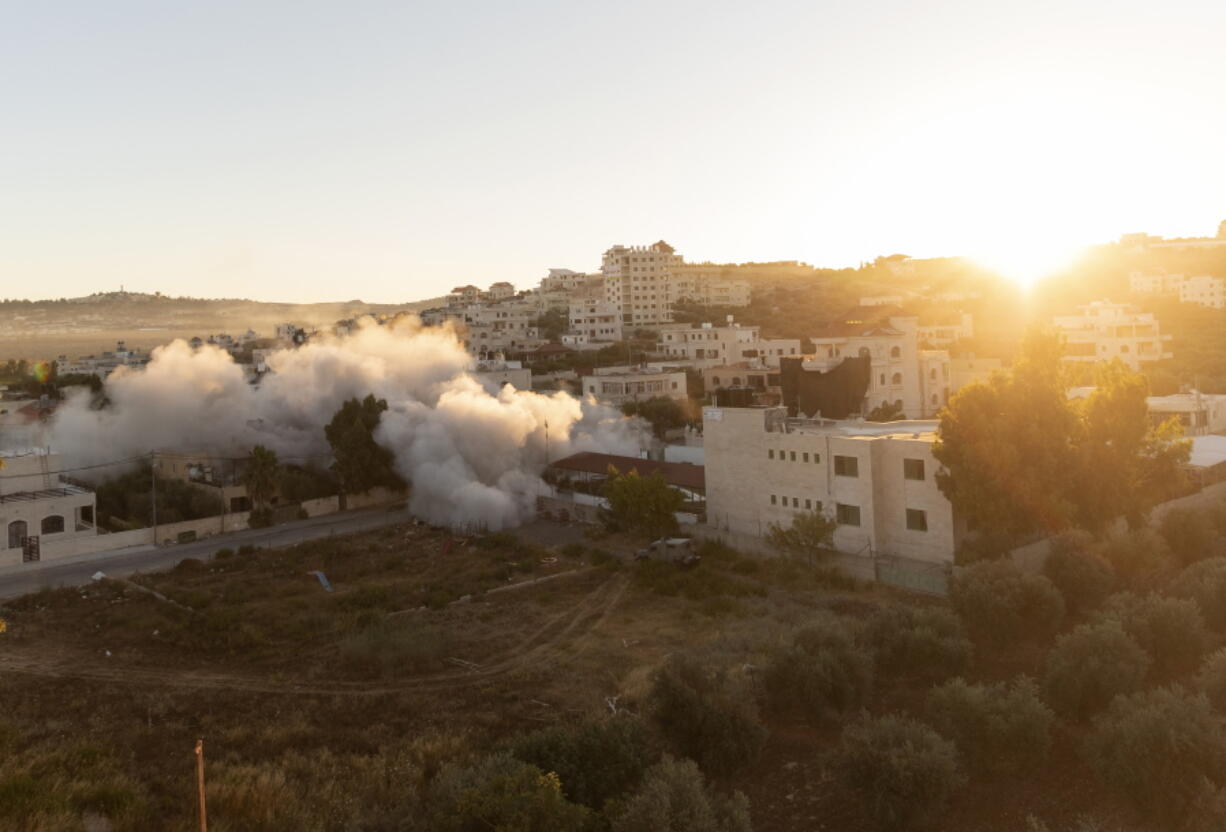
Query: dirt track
[[560, 637]]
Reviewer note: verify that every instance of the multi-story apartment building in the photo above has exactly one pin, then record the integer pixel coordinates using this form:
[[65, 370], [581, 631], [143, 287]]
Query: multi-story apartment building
[[1104, 330], [564, 280], [592, 317], [947, 329], [462, 295], [618, 385], [501, 290], [707, 345], [37, 507], [1199, 413], [876, 480], [638, 279]]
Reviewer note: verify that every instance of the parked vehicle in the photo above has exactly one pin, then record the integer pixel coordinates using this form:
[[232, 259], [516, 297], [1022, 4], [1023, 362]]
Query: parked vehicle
[[679, 550]]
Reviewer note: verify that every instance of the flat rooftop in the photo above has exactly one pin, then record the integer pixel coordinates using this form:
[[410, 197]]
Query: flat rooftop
[[902, 429]]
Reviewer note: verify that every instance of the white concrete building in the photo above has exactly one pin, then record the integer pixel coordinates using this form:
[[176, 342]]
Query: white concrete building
[[618, 385], [501, 290], [592, 317], [944, 334], [35, 503], [707, 345], [1199, 413], [1202, 290], [494, 375], [1104, 330], [876, 480], [638, 279], [915, 380], [710, 285], [564, 280]]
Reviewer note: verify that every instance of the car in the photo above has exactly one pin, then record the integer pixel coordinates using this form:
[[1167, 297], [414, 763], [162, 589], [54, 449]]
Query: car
[[678, 550]]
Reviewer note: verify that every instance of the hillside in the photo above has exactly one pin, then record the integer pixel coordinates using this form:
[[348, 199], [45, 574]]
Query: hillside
[[75, 326]]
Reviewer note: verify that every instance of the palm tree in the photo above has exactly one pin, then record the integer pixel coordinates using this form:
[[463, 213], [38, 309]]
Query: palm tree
[[260, 476]]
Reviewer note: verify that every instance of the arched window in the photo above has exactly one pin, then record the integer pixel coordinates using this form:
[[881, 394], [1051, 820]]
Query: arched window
[[864, 352], [17, 530], [715, 380], [932, 374], [53, 524], [736, 381], [898, 378], [895, 352], [883, 379]]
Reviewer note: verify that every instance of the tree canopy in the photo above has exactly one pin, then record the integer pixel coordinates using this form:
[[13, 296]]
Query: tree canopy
[[1018, 457], [646, 505], [361, 462], [810, 535]]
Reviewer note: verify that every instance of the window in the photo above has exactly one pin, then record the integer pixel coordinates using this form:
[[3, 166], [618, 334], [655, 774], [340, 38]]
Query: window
[[895, 352], [897, 378], [846, 515], [783, 456], [805, 457], [53, 524], [846, 466], [770, 453], [793, 456], [917, 521], [795, 502], [817, 457], [773, 500], [808, 504], [913, 469]]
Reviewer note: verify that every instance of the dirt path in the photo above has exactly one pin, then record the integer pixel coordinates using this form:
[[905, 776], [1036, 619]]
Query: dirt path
[[562, 636]]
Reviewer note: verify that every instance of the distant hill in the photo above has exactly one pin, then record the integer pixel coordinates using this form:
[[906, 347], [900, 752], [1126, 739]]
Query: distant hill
[[45, 329]]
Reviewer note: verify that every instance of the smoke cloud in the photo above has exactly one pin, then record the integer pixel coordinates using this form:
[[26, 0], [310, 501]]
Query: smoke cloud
[[472, 457]]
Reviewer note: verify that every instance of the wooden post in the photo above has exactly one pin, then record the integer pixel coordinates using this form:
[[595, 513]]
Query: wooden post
[[204, 820]]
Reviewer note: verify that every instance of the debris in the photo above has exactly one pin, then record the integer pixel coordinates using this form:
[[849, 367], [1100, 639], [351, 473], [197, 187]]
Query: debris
[[549, 560], [323, 580], [611, 701], [97, 576], [539, 702], [108, 653], [4, 626], [463, 599]]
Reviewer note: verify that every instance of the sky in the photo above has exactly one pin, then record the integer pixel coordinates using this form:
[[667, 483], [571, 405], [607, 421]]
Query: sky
[[307, 151]]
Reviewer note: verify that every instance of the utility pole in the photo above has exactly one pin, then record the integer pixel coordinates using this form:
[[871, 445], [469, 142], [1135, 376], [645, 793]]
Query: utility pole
[[546, 442], [204, 818], [153, 475]]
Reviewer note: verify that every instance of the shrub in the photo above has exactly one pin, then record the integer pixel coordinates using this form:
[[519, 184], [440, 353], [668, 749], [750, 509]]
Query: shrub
[[1001, 604], [223, 553], [1140, 558], [596, 761], [923, 641], [260, 518], [1171, 630], [704, 717], [1003, 727], [1211, 680], [391, 647], [573, 550], [1157, 747], [1191, 534], [674, 796], [1083, 578], [246, 549], [503, 793], [824, 670], [903, 770], [1205, 583], [1092, 664]]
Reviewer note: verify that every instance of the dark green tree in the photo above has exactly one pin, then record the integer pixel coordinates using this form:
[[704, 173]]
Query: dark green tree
[[645, 505], [809, 536], [260, 475], [361, 462]]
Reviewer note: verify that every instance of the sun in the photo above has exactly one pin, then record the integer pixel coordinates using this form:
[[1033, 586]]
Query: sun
[[1027, 262]]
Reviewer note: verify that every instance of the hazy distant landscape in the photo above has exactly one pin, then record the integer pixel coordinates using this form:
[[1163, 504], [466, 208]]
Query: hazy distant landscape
[[48, 328]]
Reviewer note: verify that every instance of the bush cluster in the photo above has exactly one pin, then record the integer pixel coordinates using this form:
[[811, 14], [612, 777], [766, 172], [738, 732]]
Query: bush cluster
[[823, 671], [903, 770], [1205, 583], [923, 641], [1001, 604], [1157, 748], [705, 717], [596, 761], [675, 796], [1083, 578], [996, 726], [1171, 630], [1091, 665]]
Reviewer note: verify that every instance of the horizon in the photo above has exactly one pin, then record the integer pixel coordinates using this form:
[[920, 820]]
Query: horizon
[[279, 152]]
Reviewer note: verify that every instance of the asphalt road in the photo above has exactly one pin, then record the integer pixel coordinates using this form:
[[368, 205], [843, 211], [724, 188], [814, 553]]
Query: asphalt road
[[19, 580]]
